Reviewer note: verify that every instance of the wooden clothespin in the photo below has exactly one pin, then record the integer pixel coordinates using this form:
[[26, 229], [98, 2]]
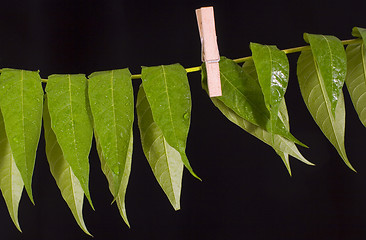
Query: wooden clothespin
[[210, 51]]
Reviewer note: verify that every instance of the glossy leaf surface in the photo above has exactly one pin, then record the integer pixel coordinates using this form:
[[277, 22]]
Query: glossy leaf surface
[[314, 93], [273, 74], [69, 185], [331, 62], [249, 68], [242, 94], [11, 183], [112, 106], [168, 93], [120, 197], [164, 160], [71, 122], [356, 78], [21, 101]]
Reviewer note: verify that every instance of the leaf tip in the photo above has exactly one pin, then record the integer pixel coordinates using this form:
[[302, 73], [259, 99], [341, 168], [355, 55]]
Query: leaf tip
[[17, 225], [196, 176], [30, 195], [87, 195], [302, 144], [352, 169], [127, 223], [87, 232]]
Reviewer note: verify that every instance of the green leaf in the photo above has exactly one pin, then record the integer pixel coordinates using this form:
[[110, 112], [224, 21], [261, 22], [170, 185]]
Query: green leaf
[[120, 197], [250, 69], [168, 93], [280, 144], [356, 78], [314, 93], [164, 160], [112, 106], [273, 73], [69, 185], [330, 59], [21, 102], [360, 33], [283, 115], [71, 122], [241, 92], [11, 183]]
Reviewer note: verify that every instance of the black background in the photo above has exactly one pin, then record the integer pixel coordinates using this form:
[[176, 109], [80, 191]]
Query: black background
[[246, 191]]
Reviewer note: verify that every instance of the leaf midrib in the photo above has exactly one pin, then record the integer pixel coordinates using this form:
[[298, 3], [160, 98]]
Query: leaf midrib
[[114, 117], [169, 106], [272, 118], [23, 122], [331, 63], [72, 121], [327, 103]]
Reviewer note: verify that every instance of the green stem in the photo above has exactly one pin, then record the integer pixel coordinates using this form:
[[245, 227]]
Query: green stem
[[287, 51], [241, 60]]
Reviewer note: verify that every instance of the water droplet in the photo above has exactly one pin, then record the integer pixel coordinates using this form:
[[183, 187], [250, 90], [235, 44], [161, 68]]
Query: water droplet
[[186, 116]]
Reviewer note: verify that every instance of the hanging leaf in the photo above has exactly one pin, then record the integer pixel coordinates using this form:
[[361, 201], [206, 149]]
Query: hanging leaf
[[242, 94], [280, 144], [164, 160], [11, 183], [314, 93], [71, 122], [250, 69], [69, 185], [120, 197], [356, 74], [283, 115], [273, 73], [112, 106], [331, 62], [21, 102], [356, 78], [167, 91]]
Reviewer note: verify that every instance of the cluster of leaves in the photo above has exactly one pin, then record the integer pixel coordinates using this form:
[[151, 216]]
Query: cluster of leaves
[[74, 108]]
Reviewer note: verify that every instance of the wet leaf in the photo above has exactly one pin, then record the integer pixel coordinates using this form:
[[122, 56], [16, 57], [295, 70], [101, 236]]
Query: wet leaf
[[315, 95], [69, 185], [71, 122], [21, 101], [273, 73], [167, 91], [242, 94], [11, 183], [164, 160], [331, 62], [120, 197], [112, 106]]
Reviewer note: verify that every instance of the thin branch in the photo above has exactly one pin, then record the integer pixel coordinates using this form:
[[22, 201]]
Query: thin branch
[[241, 60]]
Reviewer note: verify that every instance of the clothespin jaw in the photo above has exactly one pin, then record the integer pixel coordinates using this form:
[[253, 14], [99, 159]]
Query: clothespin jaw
[[210, 51]]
